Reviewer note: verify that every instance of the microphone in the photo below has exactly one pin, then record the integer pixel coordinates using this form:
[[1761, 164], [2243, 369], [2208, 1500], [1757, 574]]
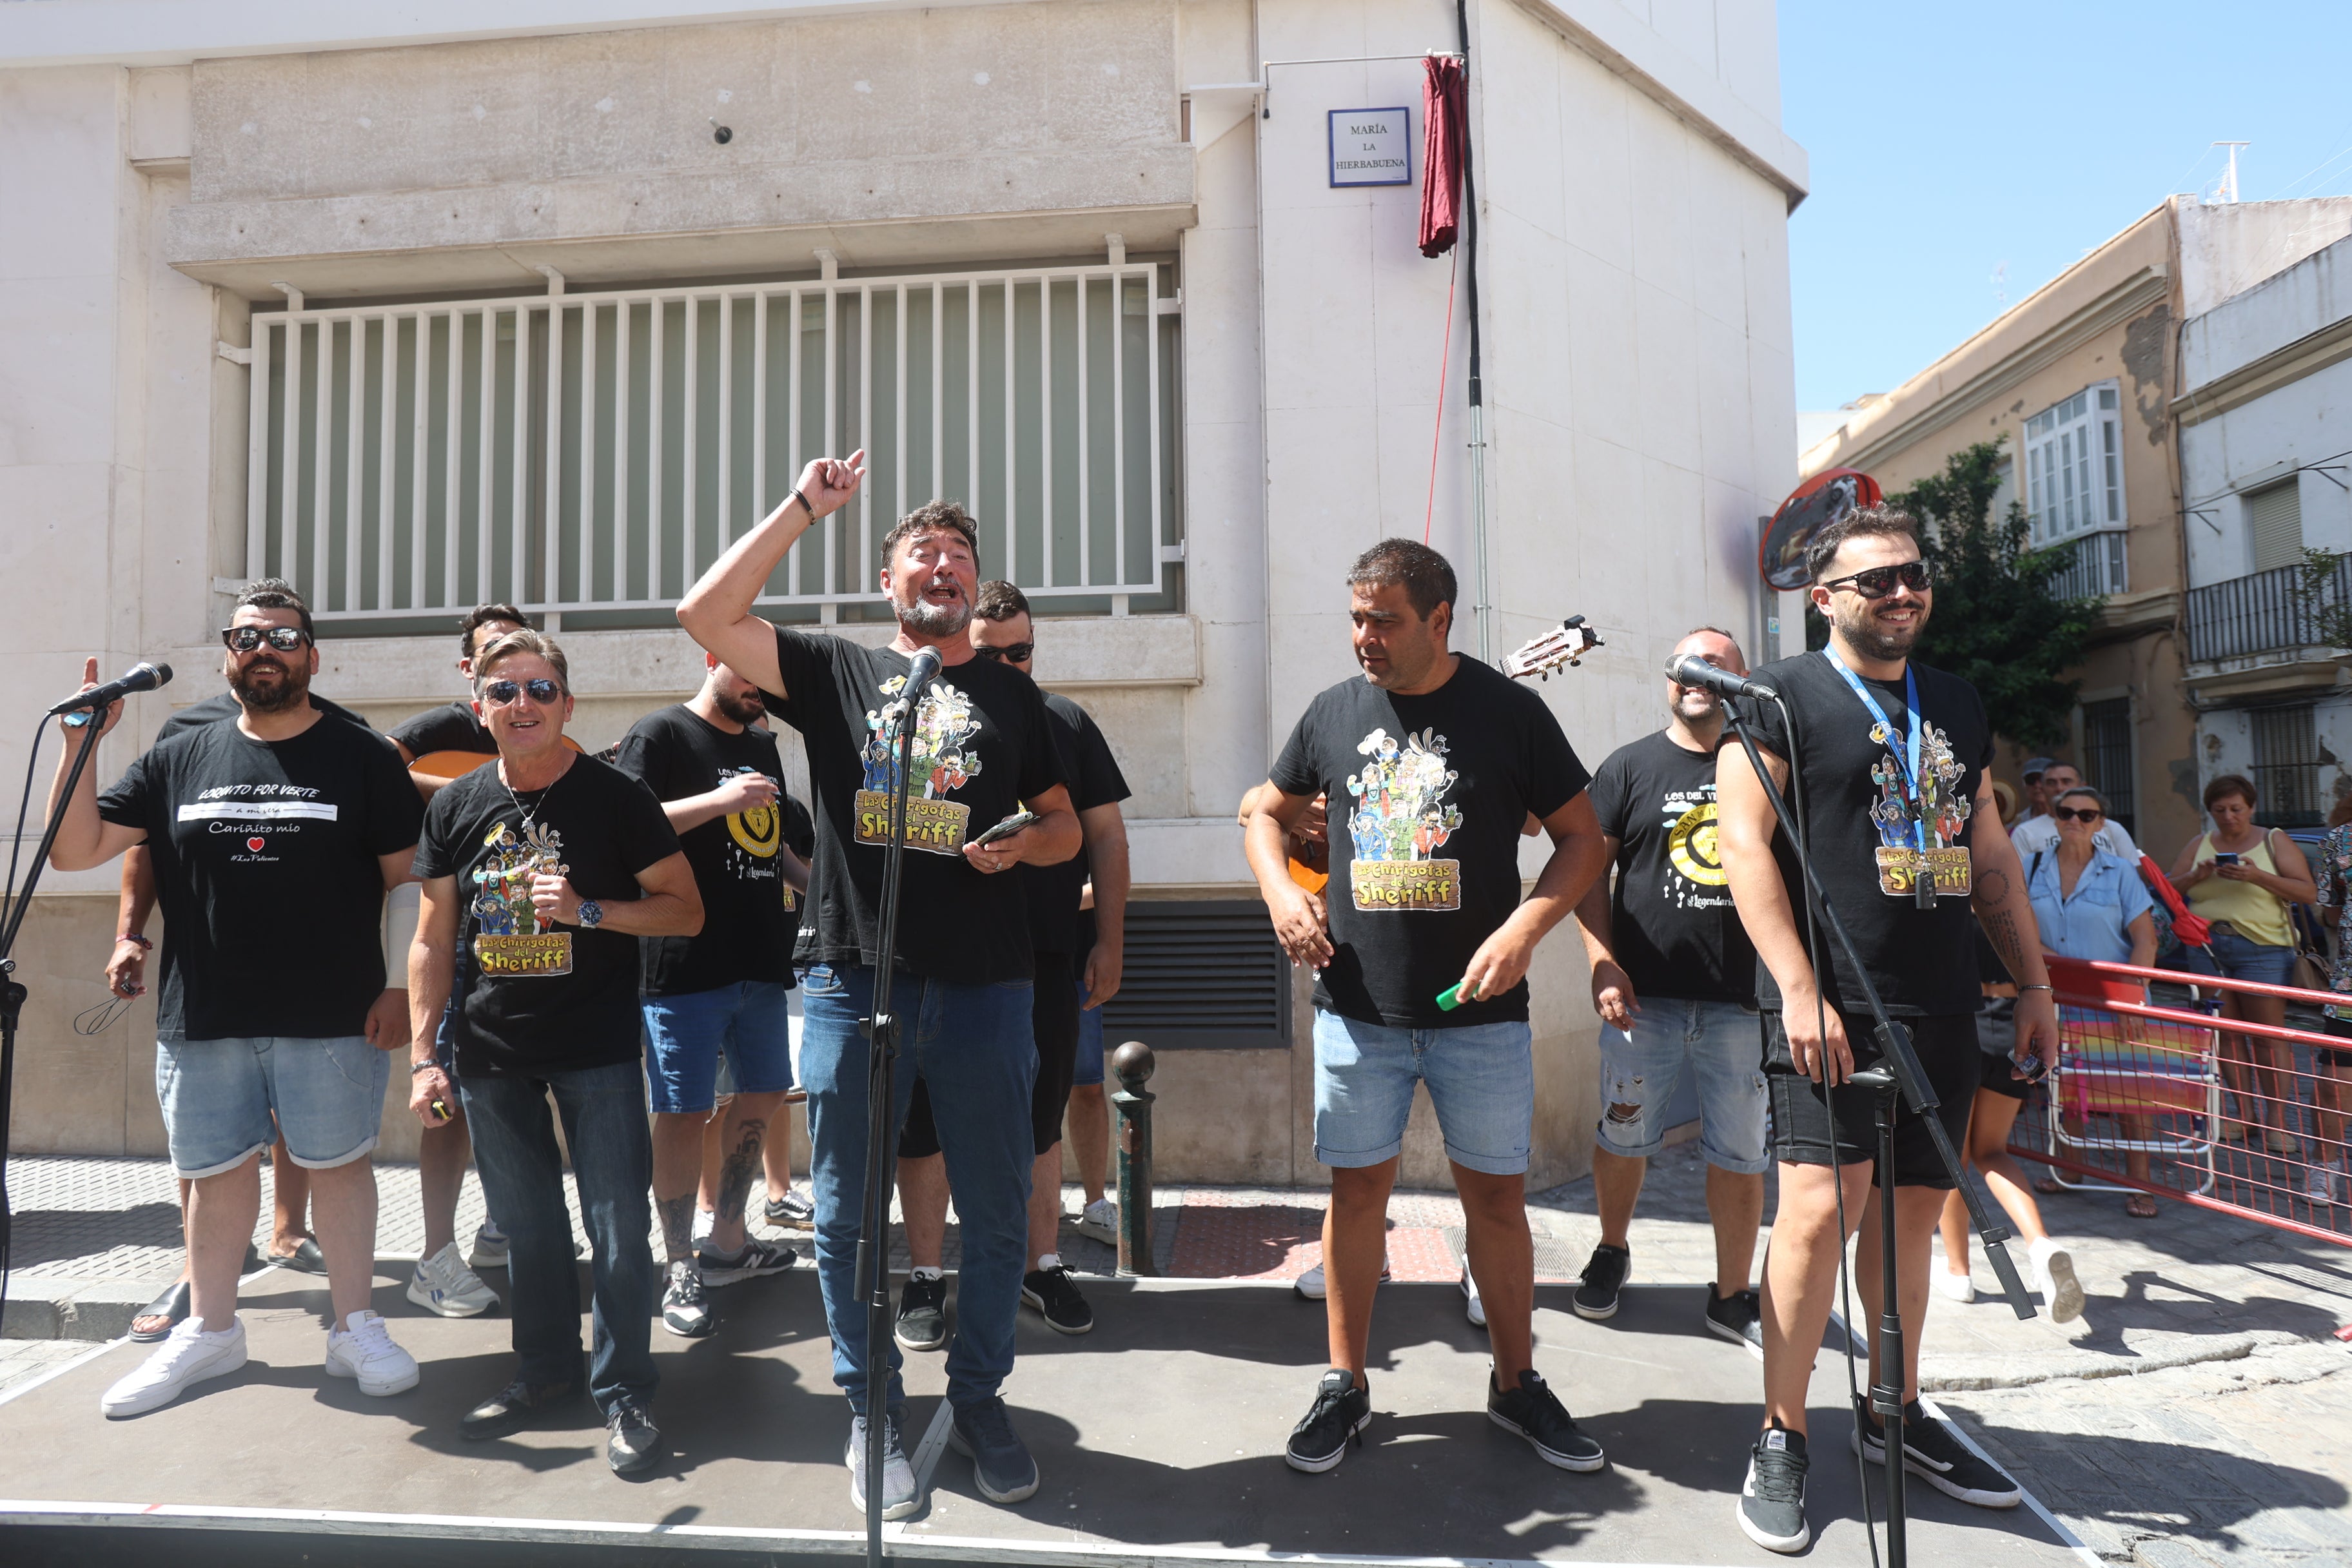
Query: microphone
[[143, 676], [1689, 669], [926, 670]]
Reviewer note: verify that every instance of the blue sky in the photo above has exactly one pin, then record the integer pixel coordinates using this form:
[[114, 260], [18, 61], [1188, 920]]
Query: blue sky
[[1962, 153]]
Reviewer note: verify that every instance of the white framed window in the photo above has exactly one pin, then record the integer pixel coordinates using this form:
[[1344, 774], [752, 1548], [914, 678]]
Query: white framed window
[[2074, 465]]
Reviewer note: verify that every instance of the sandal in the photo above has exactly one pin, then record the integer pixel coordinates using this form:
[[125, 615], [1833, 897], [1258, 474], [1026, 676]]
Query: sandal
[[172, 1306], [2140, 1205], [306, 1257], [2046, 1185]]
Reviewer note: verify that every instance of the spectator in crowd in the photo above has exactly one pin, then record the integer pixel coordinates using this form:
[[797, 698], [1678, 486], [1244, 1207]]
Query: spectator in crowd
[[2325, 1182], [2041, 833], [2245, 879]]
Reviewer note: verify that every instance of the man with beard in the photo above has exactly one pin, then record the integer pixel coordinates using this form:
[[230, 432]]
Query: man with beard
[[984, 749], [1430, 764], [274, 839], [727, 990], [1675, 980], [1892, 760]]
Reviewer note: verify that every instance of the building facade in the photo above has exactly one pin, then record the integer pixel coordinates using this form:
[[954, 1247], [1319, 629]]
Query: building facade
[[551, 314], [2081, 384]]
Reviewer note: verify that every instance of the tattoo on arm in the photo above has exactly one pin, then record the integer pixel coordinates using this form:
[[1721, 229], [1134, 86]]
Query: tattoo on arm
[[678, 1226], [742, 1164], [2000, 929]]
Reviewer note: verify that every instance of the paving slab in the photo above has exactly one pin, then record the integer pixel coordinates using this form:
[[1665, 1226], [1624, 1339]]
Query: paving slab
[[1158, 1436]]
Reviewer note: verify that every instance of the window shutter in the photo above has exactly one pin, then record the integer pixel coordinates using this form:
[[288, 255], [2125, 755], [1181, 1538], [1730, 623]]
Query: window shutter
[[2274, 524], [1205, 975]]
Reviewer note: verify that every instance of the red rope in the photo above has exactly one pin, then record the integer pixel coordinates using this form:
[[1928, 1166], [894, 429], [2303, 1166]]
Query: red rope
[[1444, 360]]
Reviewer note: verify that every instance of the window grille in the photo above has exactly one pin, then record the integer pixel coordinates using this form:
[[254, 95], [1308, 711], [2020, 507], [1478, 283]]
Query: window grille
[[2107, 755], [594, 452], [2286, 767], [1206, 975]]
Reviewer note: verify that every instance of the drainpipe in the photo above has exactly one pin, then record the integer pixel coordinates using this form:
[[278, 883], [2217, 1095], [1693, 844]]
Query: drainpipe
[[1486, 600]]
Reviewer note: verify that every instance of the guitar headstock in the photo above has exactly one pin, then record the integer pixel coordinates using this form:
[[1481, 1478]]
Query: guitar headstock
[[1558, 649]]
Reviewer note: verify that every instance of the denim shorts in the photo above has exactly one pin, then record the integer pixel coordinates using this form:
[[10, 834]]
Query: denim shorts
[[219, 1096], [1723, 1044], [1090, 1040], [1481, 1079], [2241, 960], [750, 1021]]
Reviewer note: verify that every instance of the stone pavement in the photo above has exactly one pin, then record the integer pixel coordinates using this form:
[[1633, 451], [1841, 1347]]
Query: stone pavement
[[2198, 1414]]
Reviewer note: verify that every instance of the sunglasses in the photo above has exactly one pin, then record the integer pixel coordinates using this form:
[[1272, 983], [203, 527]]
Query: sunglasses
[[498, 693], [2073, 814], [1879, 581], [1014, 653], [245, 639]]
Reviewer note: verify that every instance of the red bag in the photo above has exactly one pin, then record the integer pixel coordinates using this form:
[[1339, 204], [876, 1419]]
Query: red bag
[[2192, 929]]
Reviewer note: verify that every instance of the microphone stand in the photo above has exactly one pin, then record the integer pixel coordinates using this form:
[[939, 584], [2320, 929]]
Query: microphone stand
[[881, 1028], [12, 994], [1898, 1075]]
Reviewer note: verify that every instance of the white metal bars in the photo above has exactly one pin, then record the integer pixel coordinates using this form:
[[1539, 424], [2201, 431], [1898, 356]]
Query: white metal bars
[[584, 452]]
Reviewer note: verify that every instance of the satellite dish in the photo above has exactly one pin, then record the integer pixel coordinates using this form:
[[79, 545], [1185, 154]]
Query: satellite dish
[[1811, 506]]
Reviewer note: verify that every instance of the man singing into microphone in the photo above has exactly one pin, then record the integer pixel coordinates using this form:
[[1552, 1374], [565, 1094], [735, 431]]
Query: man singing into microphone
[[1894, 760], [983, 749], [1431, 761]]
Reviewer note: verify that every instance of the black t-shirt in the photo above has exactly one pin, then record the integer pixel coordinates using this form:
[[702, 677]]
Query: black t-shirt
[[265, 857], [544, 999], [1923, 960], [1056, 924], [452, 727], [1426, 799], [984, 744], [749, 913], [224, 705], [1671, 918]]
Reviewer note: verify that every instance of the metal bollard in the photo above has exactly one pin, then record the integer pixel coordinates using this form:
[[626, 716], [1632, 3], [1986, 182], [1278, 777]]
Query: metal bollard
[[1132, 1064]]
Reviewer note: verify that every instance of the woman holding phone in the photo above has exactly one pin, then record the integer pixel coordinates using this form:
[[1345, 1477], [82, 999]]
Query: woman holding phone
[[2245, 879]]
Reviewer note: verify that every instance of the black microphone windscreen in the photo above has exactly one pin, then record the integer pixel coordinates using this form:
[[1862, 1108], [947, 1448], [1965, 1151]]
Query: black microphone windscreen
[[162, 673]]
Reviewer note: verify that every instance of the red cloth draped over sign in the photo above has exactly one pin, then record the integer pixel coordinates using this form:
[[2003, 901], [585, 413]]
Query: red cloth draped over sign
[[1444, 100]]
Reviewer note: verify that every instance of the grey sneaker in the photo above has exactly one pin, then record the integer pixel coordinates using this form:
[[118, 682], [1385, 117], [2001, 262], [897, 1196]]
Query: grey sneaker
[[999, 1461], [899, 1496], [758, 1258], [791, 1212], [1772, 1506], [923, 1313], [685, 1310]]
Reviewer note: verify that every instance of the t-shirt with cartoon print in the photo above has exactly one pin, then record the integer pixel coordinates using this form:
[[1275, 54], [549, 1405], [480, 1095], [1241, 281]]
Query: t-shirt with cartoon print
[[267, 866], [983, 745], [749, 913], [544, 998], [1671, 920], [1426, 797], [1865, 829]]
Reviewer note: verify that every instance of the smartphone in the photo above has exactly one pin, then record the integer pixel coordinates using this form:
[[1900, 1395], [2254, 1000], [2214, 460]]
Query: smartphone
[[2219, 859], [1008, 827]]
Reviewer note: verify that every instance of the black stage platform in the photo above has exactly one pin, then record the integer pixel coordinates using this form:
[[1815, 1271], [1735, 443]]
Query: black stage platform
[[1158, 1438]]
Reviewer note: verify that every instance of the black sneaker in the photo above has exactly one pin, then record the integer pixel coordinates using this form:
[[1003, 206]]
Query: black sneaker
[[1058, 1301], [1534, 1412], [900, 1496], [513, 1407], [1739, 1317], [686, 1309], [757, 1258], [631, 1441], [791, 1212], [1341, 1410], [1771, 1508], [1604, 1276], [1934, 1451], [923, 1313], [999, 1461]]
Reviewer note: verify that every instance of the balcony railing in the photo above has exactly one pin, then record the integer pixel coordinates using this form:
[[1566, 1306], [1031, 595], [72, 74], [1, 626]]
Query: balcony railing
[[2265, 612], [2095, 568], [596, 451]]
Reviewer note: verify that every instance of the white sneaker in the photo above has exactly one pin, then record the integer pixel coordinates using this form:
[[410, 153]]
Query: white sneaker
[[2319, 1185], [489, 1247], [363, 1349], [1473, 1304], [1953, 1287], [443, 1284], [2054, 1275], [1310, 1284], [1099, 1220], [188, 1356]]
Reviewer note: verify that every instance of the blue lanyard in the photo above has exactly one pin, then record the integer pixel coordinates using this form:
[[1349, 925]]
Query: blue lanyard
[[1911, 742]]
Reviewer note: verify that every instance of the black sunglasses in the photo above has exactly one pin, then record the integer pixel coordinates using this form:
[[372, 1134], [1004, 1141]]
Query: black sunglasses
[[2073, 814], [1014, 652], [245, 639], [498, 693], [1879, 581]]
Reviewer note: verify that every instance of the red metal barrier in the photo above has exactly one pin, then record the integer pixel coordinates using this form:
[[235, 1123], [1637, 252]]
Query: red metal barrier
[[2167, 1100]]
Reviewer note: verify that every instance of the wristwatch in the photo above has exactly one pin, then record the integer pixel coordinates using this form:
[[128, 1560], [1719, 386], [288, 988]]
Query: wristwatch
[[592, 914]]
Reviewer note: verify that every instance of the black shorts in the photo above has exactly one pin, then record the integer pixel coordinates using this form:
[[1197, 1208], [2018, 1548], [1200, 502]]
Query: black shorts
[[1053, 1019], [2334, 1056], [1816, 1125]]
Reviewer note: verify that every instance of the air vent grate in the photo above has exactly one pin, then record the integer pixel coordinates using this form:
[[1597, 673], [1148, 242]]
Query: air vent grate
[[1202, 976]]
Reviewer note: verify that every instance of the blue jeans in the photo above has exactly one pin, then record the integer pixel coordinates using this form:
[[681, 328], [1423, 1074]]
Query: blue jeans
[[603, 1112], [2241, 960], [1723, 1044], [747, 1025], [1481, 1079], [972, 1045]]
